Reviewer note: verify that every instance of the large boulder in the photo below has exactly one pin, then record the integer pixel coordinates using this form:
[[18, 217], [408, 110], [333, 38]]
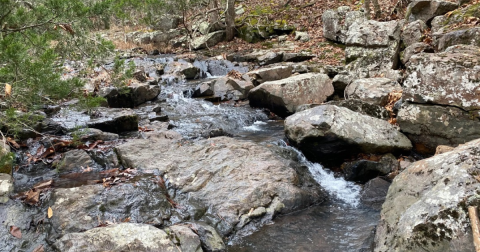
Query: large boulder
[[426, 205], [428, 126], [363, 107], [426, 10], [131, 96], [413, 49], [373, 49], [208, 40], [448, 78], [337, 22], [210, 170], [413, 32], [372, 90], [327, 133], [467, 36], [284, 96], [262, 75], [118, 237]]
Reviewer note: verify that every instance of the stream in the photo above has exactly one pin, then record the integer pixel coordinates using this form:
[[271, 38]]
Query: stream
[[341, 223]]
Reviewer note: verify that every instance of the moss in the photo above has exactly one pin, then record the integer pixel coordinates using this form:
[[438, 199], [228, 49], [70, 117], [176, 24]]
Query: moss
[[102, 208]]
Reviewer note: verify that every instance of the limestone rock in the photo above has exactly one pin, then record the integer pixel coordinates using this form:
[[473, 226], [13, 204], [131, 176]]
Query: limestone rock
[[457, 37], [284, 96], [262, 75], [448, 78], [428, 126], [337, 22], [118, 237], [363, 107], [372, 90], [328, 132], [426, 205]]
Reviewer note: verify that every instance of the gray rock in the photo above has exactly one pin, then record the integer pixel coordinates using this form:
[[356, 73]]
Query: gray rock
[[188, 70], [428, 126], [75, 160], [270, 58], [363, 108], [262, 75], [186, 238], [209, 170], [6, 187], [302, 36], [6, 158], [458, 37], [340, 82], [413, 32], [414, 48], [284, 96], [153, 37], [118, 237], [224, 88], [365, 170], [372, 34], [426, 205], [96, 134], [426, 10], [328, 132], [374, 193], [167, 22], [447, 78], [372, 90], [337, 22], [211, 240], [437, 23], [208, 40], [297, 57], [131, 96]]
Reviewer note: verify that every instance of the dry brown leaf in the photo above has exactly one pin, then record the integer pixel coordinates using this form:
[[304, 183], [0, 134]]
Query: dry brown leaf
[[8, 89], [15, 231], [49, 212], [13, 143], [32, 197], [39, 248]]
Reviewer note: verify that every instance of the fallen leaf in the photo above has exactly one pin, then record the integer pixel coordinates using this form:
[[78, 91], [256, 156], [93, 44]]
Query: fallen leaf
[[15, 231], [32, 197], [49, 212], [39, 248], [8, 89], [43, 184], [13, 143]]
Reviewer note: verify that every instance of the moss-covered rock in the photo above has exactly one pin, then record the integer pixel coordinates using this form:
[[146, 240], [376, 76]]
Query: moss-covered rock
[[6, 158]]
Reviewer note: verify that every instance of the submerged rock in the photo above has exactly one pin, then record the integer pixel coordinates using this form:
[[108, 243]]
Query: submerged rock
[[328, 132], [118, 237], [283, 97], [426, 205]]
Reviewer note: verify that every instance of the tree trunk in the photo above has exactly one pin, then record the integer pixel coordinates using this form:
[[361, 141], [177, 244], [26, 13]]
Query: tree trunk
[[230, 20]]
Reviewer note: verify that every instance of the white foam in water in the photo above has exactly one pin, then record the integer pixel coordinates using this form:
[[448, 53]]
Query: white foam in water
[[343, 190], [255, 126]]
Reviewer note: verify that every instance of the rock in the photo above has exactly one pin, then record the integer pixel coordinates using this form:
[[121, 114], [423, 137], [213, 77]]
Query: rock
[[372, 90], [211, 240], [415, 48], [208, 40], [336, 23], [443, 148], [188, 70], [374, 193], [152, 37], [223, 67], [224, 88], [297, 57], [328, 132], [437, 23], [284, 96], [302, 36], [204, 89], [426, 10], [428, 126], [6, 187], [457, 37], [106, 119], [373, 49], [131, 96], [269, 58], [262, 75], [365, 170], [118, 237], [447, 78], [186, 238], [340, 82], [426, 205], [363, 108], [75, 160], [413, 32], [167, 22], [140, 75], [6, 158], [90, 134], [209, 170]]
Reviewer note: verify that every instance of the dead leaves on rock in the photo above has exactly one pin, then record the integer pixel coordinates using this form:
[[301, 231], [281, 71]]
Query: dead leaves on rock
[[32, 196], [16, 232], [117, 176], [392, 98], [234, 74]]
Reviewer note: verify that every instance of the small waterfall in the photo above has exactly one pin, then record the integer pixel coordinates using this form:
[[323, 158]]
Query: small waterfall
[[339, 188]]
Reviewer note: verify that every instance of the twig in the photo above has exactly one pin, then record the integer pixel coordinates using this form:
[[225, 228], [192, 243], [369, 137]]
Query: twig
[[472, 213]]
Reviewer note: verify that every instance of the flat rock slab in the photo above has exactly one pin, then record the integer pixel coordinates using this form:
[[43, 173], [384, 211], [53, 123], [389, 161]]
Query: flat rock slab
[[284, 96], [262, 75], [328, 132], [447, 78], [372, 90], [210, 170], [119, 237], [426, 205]]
